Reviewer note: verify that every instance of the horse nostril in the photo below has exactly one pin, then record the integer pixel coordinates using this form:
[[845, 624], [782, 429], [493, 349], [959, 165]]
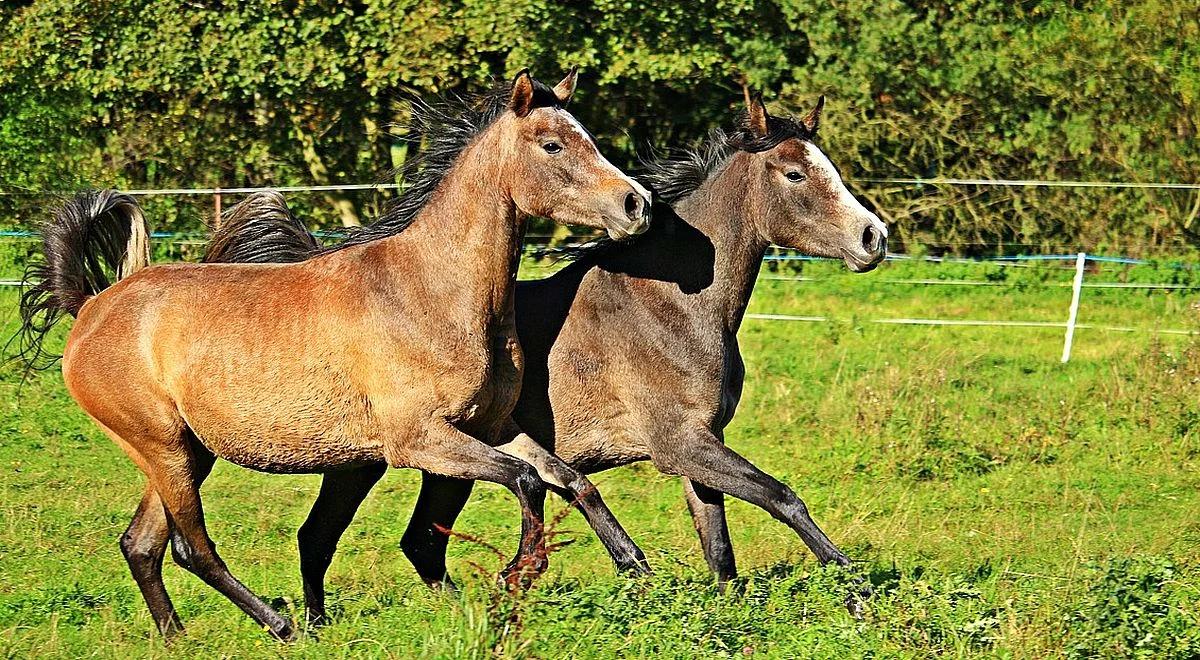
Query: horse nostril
[[632, 205], [870, 238]]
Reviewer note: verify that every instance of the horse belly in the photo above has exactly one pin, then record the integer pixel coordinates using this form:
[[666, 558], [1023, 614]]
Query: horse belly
[[597, 448], [284, 435], [291, 453], [600, 450]]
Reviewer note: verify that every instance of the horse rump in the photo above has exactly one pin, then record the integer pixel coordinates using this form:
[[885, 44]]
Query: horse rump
[[88, 237]]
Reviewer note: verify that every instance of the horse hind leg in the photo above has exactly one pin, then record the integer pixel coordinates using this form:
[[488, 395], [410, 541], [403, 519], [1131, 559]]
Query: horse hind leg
[[707, 507], [145, 422], [144, 543], [176, 476], [426, 538], [202, 465], [175, 465], [342, 492]]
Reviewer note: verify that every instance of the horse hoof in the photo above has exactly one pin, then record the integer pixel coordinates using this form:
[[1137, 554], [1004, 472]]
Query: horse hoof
[[856, 606], [520, 574], [513, 580], [509, 581], [445, 586], [856, 600], [317, 619], [171, 632], [283, 633], [636, 566]]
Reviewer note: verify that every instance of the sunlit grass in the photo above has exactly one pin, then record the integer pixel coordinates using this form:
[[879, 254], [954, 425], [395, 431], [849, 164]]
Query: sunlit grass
[[994, 495]]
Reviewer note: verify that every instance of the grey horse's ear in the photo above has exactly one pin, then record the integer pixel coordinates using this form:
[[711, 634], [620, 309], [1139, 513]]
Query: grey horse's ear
[[812, 121], [565, 89], [756, 113], [522, 94]]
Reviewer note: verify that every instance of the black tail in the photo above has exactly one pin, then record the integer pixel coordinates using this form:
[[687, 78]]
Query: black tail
[[261, 229], [90, 236]]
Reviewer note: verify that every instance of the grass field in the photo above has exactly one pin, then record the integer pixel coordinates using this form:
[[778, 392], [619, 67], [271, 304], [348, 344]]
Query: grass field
[[1002, 503]]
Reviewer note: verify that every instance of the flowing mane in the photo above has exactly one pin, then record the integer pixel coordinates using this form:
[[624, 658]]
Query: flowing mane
[[261, 229], [446, 125], [675, 174]]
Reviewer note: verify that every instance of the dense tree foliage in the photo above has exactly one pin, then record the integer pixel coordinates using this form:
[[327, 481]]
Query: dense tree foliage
[[156, 94]]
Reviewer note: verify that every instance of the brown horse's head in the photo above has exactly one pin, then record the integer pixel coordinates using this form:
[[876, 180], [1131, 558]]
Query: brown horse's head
[[558, 171], [802, 202]]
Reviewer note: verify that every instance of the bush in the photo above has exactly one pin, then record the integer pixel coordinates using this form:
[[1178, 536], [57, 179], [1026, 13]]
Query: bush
[[1135, 608]]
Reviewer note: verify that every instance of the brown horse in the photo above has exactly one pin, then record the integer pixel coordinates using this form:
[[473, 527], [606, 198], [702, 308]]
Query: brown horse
[[395, 347], [675, 298], [668, 388]]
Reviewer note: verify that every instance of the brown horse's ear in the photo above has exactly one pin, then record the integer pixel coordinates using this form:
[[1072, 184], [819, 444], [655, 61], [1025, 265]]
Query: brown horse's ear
[[756, 113], [812, 121], [522, 94], [565, 89]]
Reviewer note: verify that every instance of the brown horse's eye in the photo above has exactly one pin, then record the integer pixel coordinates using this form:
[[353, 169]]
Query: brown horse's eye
[[552, 147], [795, 177]]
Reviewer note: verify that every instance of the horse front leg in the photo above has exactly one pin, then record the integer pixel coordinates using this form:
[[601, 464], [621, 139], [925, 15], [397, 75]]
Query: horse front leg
[[704, 459], [445, 451], [579, 491]]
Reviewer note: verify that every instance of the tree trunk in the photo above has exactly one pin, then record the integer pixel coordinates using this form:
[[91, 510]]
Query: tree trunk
[[320, 175]]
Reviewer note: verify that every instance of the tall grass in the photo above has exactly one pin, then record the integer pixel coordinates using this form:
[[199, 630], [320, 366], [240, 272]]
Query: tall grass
[[1002, 504]]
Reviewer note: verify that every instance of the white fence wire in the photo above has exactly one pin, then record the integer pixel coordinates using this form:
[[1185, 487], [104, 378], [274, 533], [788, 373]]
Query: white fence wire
[[1077, 284], [1070, 325]]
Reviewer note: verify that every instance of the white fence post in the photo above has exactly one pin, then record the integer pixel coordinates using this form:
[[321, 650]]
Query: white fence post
[[1080, 260]]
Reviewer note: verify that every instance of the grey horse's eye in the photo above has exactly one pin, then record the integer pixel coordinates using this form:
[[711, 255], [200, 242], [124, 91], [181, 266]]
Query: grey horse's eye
[[795, 177], [552, 147]]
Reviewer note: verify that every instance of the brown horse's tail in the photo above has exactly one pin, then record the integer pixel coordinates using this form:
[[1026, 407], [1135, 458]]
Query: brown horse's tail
[[260, 229], [90, 236]]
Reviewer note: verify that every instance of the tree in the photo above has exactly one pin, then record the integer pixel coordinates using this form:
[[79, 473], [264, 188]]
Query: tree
[[154, 94]]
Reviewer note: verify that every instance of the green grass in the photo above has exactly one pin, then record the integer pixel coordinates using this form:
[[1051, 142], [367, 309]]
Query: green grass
[[1004, 504]]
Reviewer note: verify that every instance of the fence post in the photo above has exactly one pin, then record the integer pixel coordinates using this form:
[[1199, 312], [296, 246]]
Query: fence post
[[217, 207], [1080, 260]]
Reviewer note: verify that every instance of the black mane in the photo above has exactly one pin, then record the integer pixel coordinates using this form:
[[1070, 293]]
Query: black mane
[[446, 125], [675, 174], [262, 229]]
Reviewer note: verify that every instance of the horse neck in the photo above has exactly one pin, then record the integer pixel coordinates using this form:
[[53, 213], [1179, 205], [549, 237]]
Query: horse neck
[[467, 239], [721, 208]]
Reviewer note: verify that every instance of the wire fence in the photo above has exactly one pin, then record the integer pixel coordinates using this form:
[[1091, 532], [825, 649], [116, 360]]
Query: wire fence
[[933, 181], [1069, 325]]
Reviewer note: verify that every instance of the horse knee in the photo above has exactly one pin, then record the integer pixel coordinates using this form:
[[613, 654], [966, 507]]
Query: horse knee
[[138, 553], [530, 484]]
